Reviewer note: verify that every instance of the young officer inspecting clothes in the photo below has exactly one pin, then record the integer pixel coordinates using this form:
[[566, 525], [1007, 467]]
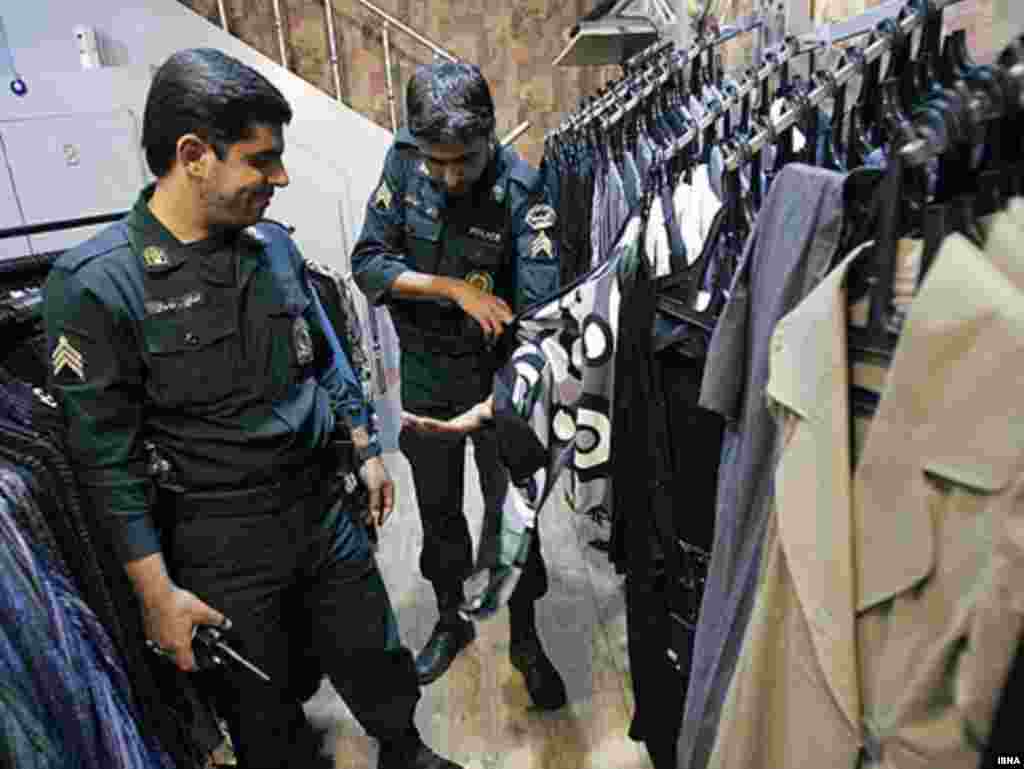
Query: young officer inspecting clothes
[[458, 235], [190, 331]]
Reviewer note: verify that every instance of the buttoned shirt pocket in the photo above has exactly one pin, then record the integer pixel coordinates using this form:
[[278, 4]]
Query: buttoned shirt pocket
[[192, 356], [423, 239]]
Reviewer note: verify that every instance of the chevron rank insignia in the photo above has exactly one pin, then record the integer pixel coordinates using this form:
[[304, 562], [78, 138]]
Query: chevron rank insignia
[[541, 246], [541, 217], [66, 356], [382, 197]]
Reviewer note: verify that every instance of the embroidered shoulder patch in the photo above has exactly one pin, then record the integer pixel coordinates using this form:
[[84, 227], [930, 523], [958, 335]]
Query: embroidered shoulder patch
[[66, 356], [541, 217], [383, 196]]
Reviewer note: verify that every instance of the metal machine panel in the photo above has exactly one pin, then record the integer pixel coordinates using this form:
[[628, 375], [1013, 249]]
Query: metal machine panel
[[71, 166], [10, 214]]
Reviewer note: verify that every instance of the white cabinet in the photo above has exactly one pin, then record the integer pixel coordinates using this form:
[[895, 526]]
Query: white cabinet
[[10, 215], [72, 166]]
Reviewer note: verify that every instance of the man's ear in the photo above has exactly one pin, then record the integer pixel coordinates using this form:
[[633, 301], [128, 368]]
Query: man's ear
[[195, 156]]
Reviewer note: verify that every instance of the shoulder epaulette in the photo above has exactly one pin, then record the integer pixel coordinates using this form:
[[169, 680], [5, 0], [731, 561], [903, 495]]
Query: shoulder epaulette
[[404, 138], [110, 239], [523, 173]]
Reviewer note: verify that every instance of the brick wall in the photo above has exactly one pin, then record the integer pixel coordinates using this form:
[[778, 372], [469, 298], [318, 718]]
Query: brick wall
[[514, 43]]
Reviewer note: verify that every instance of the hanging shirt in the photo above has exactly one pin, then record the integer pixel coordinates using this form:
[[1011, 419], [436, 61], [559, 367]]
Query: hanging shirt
[[891, 652], [788, 253]]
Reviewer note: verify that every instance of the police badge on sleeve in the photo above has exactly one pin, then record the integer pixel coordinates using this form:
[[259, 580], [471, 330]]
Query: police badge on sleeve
[[302, 340], [541, 217]]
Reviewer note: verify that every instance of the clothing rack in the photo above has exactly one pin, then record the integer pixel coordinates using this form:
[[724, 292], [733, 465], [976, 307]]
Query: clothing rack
[[824, 85], [775, 61], [641, 66]]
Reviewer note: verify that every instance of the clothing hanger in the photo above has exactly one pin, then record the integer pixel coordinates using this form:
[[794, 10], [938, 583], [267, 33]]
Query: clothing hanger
[[1011, 61], [864, 115], [837, 154], [956, 60]]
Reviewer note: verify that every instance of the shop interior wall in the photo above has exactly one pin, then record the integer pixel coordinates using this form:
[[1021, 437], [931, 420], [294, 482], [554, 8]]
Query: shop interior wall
[[330, 181], [514, 43]]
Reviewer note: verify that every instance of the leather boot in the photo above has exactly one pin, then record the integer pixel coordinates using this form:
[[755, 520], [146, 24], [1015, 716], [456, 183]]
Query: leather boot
[[450, 636], [543, 682]]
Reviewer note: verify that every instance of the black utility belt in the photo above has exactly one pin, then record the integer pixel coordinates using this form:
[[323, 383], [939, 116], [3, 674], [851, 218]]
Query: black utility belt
[[265, 497], [462, 346]]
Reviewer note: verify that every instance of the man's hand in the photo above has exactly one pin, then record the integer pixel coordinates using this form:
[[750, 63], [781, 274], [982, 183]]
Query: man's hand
[[171, 621], [466, 422], [374, 473], [491, 312]]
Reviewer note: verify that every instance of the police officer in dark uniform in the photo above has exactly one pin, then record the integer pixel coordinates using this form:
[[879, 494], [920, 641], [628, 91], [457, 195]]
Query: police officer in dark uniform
[[188, 334], [457, 233]]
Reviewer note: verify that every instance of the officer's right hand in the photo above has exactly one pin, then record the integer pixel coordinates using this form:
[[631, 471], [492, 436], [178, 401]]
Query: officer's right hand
[[491, 312], [171, 622]]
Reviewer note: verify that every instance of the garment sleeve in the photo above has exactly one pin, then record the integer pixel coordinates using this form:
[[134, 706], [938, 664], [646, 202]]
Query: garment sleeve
[[379, 254], [96, 374], [343, 318], [335, 373], [725, 371], [537, 248]]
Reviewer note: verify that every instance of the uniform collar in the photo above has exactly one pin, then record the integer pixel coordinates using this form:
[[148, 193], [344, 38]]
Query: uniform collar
[[161, 252]]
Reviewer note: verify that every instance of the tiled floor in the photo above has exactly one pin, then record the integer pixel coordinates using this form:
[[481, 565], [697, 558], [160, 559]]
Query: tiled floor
[[478, 714]]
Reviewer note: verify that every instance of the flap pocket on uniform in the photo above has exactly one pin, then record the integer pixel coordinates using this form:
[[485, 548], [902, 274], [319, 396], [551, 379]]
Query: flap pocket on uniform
[[419, 225], [538, 280], [167, 335], [981, 478], [484, 255], [192, 358]]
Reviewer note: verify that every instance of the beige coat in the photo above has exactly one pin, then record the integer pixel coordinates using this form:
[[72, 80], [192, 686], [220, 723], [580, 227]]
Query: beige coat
[[891, 602]]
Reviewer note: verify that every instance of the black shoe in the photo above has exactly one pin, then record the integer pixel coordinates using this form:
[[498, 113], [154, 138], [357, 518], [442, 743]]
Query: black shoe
[[545, 685], [421, 758], [448, 639]]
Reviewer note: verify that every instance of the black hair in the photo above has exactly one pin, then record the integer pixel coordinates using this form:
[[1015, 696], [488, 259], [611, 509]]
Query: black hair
[[449, 103], [210, 94]]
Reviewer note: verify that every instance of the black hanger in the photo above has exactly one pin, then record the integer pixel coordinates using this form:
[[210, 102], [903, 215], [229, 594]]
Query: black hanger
[[1012, 63], [877, 267], [864, 116], [837, 153], [956, 60]]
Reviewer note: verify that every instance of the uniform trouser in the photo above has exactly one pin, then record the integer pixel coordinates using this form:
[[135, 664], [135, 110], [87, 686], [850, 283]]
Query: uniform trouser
[[299, 573], [438, 470]]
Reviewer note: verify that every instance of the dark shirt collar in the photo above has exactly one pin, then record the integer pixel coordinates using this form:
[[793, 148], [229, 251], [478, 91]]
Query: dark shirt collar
[[160, 251]]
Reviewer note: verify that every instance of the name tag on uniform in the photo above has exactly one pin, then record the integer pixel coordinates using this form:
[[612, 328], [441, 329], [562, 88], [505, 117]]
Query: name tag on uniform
[[159, 306], [481, 234]]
